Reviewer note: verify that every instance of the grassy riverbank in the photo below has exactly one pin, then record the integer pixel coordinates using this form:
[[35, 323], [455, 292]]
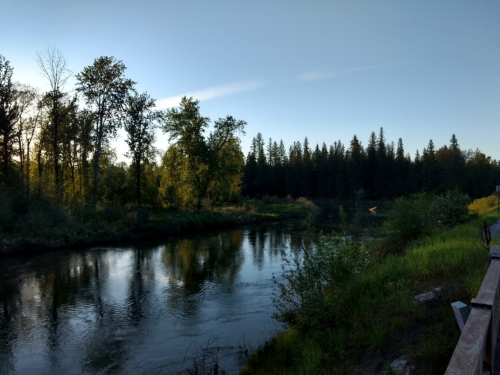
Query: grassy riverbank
[[44, 226], [379, 322]]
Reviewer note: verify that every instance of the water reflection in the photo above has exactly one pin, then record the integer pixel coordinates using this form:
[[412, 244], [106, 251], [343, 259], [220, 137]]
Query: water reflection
[[191, 262], [138, 309]]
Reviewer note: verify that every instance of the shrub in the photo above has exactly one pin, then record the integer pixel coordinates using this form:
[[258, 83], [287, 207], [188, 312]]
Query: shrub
[[450, 209], [313, 276], [484, 204], [409, 218], [420, 214], [304, 201]]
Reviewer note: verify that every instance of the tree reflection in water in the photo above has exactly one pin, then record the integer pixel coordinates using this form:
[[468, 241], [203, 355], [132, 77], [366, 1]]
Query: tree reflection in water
[[191, 263], [133, 309]]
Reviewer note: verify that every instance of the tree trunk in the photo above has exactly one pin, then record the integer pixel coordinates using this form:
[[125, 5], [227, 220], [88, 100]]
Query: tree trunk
[[40, 168], [55, 147], [138, 179], [100, 132], [28, 170]]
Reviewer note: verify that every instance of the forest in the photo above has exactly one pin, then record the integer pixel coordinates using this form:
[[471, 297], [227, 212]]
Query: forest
[[55, 146], [379, 170], [61, 185]]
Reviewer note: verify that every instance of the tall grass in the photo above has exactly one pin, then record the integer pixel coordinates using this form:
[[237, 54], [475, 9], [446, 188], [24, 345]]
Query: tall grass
[[376, 315]]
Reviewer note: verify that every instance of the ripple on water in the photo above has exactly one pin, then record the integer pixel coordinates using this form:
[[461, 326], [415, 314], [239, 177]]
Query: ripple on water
[[107, 316]]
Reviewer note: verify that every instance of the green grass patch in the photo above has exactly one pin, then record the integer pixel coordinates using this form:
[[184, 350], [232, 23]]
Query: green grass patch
[[376, 317]]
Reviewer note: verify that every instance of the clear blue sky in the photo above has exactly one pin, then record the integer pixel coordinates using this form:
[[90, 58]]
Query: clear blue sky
[[323, 69]]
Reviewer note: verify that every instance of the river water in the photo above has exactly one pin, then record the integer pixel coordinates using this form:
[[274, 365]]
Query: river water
[[147, 308]]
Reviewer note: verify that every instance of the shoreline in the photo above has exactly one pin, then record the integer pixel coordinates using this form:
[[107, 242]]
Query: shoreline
[[384, 323], [144, 223]]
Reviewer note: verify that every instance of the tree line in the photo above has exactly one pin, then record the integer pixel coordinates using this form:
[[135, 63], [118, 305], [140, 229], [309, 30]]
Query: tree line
[[56, 145], [379, 170]]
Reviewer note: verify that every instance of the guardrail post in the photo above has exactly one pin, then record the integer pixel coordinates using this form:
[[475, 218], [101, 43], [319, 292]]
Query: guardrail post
[[461, 311], [494, 253]]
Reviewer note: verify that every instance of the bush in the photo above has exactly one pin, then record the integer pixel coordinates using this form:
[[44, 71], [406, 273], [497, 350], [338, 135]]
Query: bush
[[314, 276], [450, 209], [304, 201], [420, 214], [484, 204], [409, 218]]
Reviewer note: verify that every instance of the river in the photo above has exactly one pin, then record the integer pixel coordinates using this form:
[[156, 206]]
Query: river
[[147, 308]]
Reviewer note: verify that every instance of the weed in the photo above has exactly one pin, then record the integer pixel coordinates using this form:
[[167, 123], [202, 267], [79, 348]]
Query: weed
[[372, 311], [207, 361]]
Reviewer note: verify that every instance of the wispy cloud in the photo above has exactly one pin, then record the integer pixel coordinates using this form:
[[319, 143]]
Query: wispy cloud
[[210, 93], [332, 73]]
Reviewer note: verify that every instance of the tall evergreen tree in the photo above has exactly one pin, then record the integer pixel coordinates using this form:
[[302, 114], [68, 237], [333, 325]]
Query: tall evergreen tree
[[355, 161], [430, 174], [382, 178], [306, 187], [371, 165]]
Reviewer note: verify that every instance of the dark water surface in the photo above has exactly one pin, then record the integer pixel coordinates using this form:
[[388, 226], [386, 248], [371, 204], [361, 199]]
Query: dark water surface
[[144, 308]]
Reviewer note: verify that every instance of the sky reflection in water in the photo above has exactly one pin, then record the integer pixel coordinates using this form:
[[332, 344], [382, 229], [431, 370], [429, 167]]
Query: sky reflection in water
[[147, 308]]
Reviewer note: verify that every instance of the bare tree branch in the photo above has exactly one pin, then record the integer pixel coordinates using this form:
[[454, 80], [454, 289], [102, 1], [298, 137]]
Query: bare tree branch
[[54, 67]]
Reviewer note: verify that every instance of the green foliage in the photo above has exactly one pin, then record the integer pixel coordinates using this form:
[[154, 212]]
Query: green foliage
[[421, 214], [450, 208], [9, 112], [377, 314], [409, 219], [484, 204], [199, 167], [105, 90], [380, 170], [313, 278], [175, 187], [140, 122]]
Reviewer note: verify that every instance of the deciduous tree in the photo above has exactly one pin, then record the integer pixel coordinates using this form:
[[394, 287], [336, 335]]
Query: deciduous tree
[[140, 122], [54, 67], [209, 160], [105, 89], [9, 115]]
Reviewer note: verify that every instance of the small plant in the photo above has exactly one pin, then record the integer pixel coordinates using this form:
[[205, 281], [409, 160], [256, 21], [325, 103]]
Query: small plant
[[487, 237], [207, 363], [347, 227]]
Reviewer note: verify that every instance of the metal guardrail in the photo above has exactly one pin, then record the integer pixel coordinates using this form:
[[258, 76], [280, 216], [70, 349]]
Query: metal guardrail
[[475, 351]]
